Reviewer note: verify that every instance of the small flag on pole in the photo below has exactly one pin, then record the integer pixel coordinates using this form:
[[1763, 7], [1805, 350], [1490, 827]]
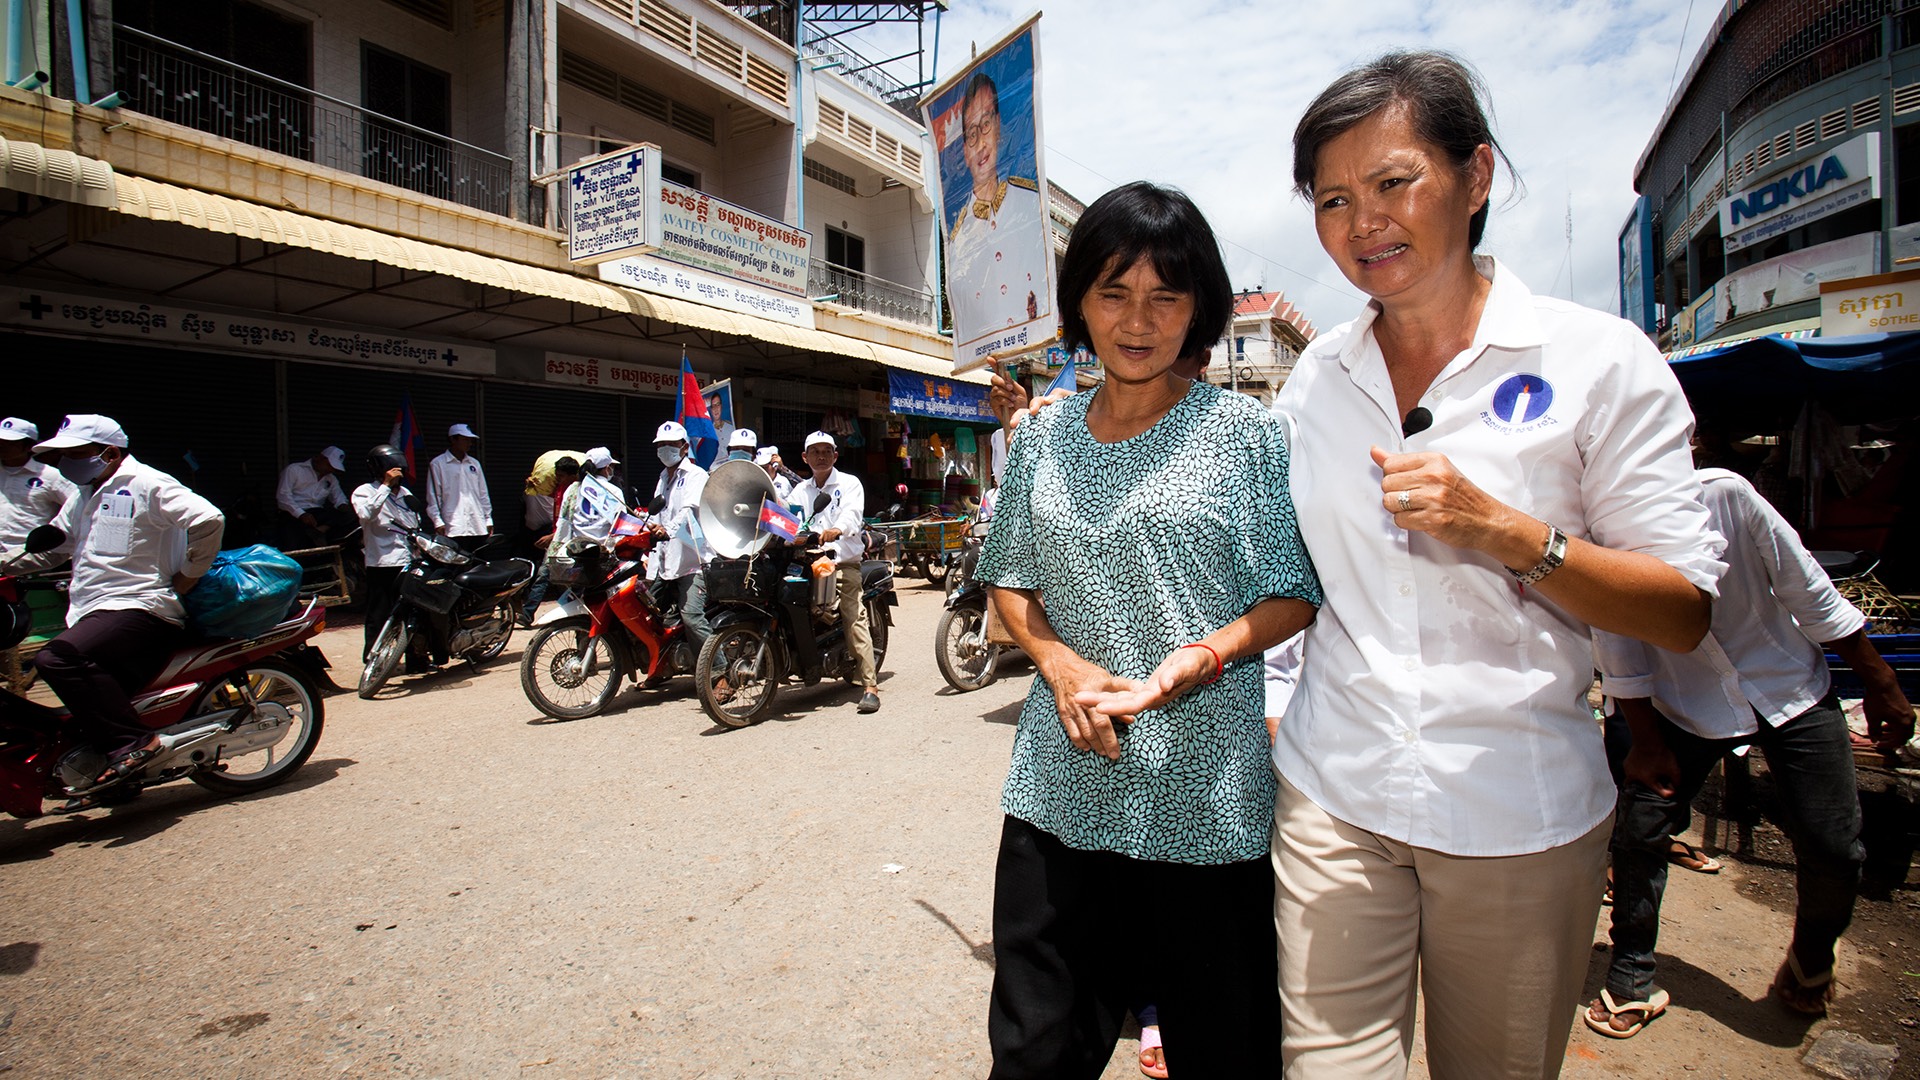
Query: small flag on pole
[[628, 525], [1065, 380], [692, 414], [406, 435], [775, 519]]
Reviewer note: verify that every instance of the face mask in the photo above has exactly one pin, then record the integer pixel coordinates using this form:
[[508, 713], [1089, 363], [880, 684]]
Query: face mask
[[82, 470], [671, 455]]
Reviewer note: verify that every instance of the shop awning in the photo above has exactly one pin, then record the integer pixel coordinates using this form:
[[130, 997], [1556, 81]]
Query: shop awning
[[56, 174], [60, 174], [1796, 330], [1865, 377]]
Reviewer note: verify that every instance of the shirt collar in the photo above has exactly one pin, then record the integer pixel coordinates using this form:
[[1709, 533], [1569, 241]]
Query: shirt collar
[[1507, 321]]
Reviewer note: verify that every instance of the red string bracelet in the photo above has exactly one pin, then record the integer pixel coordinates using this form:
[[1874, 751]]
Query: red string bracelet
[[1219, 668]]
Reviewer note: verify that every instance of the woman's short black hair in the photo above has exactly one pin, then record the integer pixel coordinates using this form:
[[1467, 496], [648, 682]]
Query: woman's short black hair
[[1160, 224], [1444, 99]]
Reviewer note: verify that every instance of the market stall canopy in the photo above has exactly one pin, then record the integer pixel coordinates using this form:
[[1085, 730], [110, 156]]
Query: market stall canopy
[[1859, 379]]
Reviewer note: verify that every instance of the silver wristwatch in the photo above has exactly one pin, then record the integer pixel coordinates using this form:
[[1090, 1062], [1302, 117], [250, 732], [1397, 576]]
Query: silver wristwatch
[[1556, 554]]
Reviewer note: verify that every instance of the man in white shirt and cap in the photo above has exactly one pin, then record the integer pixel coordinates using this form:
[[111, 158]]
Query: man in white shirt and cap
[[386, 509], [1759, 678], [678, 522], [768, 458], [591, 506], [32, 495], [742, 444], [310, 496], [840, 526], [142, 541], [457, 499]]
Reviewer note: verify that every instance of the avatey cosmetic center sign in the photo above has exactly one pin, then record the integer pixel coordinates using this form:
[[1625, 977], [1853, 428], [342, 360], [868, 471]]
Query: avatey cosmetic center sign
[[619, 207]]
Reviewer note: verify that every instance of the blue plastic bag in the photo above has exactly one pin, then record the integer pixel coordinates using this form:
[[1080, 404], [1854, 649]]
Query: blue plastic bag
[[244, 593]]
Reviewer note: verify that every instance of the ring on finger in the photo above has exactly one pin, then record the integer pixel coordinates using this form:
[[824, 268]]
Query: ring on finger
[[1406, 500]]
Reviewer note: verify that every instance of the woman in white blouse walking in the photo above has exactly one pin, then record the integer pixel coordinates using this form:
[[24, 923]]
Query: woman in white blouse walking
[[1481, 474]]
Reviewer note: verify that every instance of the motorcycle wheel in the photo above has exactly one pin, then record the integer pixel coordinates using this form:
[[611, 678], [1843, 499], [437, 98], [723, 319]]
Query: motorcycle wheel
[[385, 656], [275, 685], [936, 571], [507, 612], [742, 656], [567, 676], [967, 661]]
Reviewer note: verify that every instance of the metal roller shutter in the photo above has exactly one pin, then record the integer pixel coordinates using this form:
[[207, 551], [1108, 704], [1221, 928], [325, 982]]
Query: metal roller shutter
[[218, 409], [353, 408], [523, 422]]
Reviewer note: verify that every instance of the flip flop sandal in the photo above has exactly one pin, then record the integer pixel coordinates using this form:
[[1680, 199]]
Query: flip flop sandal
[[1687, 857], [1648, 1009], [1150, 1041], [1805, 996], [124, 766]]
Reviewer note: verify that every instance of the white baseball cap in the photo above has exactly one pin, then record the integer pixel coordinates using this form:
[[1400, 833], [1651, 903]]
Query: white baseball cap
[[600, 457], [80, 429], [743, 437], [335, 458], [765, 455], [819, 437], [669, 432], [461, 429], [14, 429]]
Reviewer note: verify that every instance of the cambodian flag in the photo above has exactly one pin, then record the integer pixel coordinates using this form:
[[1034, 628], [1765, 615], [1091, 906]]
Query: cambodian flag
[[628, 525], [406, 436], [692, 415], [1065, 380], [775, 519]]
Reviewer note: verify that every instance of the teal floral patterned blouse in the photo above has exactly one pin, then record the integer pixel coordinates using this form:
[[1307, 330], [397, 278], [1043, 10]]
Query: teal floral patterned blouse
[[1137, 547]]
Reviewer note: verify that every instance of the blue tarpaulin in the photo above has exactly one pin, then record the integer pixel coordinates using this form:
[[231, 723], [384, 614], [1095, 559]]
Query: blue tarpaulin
[[942, 399], [1859, 379]]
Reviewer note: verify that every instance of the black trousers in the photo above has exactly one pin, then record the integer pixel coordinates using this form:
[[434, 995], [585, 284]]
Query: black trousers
[[97, 664], [383, 588], [1070, 936]]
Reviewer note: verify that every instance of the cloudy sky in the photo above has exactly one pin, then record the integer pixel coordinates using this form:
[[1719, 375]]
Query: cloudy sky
[[1204, 95]]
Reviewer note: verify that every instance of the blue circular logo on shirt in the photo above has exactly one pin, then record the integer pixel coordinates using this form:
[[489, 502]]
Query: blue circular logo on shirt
[[1522, 399]]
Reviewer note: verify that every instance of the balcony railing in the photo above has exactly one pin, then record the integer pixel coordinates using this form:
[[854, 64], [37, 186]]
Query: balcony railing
[[174, 83], [871, 294]]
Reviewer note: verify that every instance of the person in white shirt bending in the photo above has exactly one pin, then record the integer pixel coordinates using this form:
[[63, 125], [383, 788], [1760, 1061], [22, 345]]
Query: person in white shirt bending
[[1760, 678], [142, 541], [840, 526], [457, 499], [309, 496]]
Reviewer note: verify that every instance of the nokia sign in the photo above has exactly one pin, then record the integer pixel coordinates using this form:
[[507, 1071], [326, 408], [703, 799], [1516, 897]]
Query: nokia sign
[[1844, 177]]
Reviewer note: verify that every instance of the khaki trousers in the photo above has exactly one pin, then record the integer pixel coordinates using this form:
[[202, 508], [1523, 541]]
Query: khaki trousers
[[1500, 947], [853, 616]]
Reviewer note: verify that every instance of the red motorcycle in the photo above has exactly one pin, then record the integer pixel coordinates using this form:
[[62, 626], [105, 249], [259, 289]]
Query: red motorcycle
[[608, 625], [234, 716]]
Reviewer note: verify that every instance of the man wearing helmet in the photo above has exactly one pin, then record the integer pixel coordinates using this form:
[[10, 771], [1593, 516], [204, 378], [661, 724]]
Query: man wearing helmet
[[385, 508], [681, 483]]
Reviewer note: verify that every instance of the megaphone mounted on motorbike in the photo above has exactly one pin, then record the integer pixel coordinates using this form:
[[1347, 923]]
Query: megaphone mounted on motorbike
[[730, 508]]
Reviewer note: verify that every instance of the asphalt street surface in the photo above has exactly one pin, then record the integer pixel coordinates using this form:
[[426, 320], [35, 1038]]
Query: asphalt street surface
[[454, 886]]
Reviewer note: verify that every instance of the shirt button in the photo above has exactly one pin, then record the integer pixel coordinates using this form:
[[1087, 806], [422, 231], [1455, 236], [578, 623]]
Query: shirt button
[[1408, 736], [1406, 590], [1410, 663]]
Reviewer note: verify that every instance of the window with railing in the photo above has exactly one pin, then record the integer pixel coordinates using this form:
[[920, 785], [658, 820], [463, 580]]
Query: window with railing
[[170, 81]]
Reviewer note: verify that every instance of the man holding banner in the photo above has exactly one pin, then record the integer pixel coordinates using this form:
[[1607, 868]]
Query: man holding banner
[[678, 522]]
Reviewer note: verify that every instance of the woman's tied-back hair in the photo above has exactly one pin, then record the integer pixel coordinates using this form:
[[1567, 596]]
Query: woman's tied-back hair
[[1160, 224], [1445, 99]]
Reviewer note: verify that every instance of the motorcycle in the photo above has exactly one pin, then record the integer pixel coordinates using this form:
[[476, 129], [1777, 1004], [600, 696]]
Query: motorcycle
[[968, 661], [610, 623], [233, 716], [774, 617], [451, 604]]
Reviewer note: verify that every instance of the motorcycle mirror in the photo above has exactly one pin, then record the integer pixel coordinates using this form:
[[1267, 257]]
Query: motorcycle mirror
[[658, 504], [820, 501], [44, 538]]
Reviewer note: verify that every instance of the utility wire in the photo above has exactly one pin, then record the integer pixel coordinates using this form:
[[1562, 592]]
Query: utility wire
[[1679, 49]]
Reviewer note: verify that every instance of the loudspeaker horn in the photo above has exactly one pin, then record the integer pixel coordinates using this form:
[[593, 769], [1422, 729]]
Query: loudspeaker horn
[[730, 508]]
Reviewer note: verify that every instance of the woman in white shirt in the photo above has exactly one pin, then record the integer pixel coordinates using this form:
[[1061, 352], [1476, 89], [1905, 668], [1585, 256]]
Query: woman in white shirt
[[1481, 474]]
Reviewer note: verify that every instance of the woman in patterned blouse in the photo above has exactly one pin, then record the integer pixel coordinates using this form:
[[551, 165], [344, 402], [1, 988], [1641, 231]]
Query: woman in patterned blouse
[[1153, 517]]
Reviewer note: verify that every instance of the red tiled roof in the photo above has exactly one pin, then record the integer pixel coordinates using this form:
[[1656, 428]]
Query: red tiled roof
[[1254, 303]]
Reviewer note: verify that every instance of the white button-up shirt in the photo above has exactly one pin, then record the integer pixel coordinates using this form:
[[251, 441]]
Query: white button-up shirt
[[1763, 650], [31, 496], [457, 495], [681, 487], [383, 513], [846, 512], [138, 530], [302, 489], [1440, 704]]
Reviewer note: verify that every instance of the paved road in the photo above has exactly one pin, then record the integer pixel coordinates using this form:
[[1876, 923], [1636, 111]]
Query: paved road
[[453, 887]]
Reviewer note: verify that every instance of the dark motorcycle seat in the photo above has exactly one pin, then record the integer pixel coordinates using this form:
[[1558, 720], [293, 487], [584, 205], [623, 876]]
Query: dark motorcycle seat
[[493, 577], [1844, 564], [875, 572]]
